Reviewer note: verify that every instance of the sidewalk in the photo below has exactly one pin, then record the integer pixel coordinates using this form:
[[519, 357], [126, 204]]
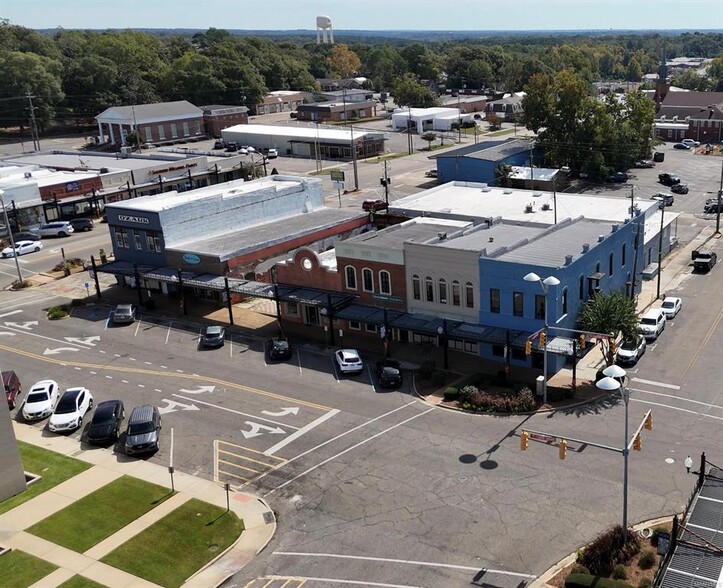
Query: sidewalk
[[258, 518]]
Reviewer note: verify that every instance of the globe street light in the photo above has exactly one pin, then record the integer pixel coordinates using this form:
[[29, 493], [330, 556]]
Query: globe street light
[[614, 380], [545, 284]]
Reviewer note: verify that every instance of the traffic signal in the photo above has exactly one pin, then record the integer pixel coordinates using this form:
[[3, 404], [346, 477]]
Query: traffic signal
[[613, 346], [528, 347], [524, 440], [649, 421], [543, 338], [637, 443], [582, 341], [563, 449]]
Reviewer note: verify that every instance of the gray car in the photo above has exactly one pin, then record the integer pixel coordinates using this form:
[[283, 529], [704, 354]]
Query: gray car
[[144, 427], [124, 314]]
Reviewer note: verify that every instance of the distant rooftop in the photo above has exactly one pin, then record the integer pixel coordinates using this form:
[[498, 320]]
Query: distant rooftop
[[419, 230], [150, 112], [300, 132], [488, 240], [489, 150], [543, 174], [90, 160]]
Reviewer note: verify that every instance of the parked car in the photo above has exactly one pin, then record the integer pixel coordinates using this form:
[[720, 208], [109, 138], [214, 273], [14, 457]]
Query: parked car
[[618, 177], [703, 261], [81, 224], [711, 206], [349, 361], [691, 143], [124, 314], [672, 305], [12, 386], [144, 428], [630, 351], [218, 145], [232, 146], [25, 236], [681, 146], [292, 115], [41, 400], [73, 405], [272, 153], [664, 198], [668, 179], [213, 336], [55, 229], [432, 173], [106, 423], [21, 248], [389, 373], [652, 323], [644, 163], [679, 188], [278, 348], [374, 205]]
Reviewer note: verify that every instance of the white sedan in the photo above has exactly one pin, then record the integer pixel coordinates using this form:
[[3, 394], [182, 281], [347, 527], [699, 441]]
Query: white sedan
[[41, 400], [72, 407], [21, 248], [671, 306]]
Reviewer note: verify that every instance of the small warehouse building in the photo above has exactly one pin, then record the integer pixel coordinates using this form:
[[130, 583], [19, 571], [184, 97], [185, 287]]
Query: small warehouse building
[[480, 162], [218, 116], [337, 111], [329, 143], [421, 120]]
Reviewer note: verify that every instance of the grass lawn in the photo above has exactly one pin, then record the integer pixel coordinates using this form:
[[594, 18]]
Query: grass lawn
[[179, 544], [80, 582], [89, 520], [19, 569], [53, 467]]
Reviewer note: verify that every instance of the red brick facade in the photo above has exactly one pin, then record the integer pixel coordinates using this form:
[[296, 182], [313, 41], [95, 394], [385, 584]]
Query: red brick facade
[[394, 299], [214, 124], [183, 128], [71, 189]]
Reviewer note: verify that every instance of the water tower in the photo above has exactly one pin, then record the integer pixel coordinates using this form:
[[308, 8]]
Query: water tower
[[323, 24]]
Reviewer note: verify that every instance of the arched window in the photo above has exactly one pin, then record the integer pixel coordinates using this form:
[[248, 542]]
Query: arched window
[[429, 288], [350, 272], [385, 282], [416, 287], [469, 295], [442, 288], [564, 301], [456, 294], [581, 292], [611, 269], [367, 280], [622, 255]]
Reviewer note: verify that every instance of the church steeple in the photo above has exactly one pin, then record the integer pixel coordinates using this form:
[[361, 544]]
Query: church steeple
[[661, 86]]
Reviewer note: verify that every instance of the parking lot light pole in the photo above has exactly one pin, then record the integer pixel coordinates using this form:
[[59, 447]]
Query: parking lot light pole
[[545, 284], [10, 236], [614, 380], [720, 195]]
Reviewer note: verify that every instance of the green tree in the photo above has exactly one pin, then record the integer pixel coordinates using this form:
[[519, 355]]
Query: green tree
[[634, 71], [494, 121], [612, 314], [692, 81], [430, 137], [408, 92]]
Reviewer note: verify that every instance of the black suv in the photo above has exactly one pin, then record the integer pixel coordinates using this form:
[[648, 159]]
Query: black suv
[[668, 179], [278, 348], [389, 373], [106, 423], [81, 224]]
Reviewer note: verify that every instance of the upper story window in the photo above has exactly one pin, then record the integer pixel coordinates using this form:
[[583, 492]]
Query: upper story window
[[611, 269], [429, 289], [495, 300], [350, 273], [456, 295], [416, 287], [518, 303], [540, 307], [469, 295], [442, 288], [564, 301], [385, 282], [622, 255], [368, 280]]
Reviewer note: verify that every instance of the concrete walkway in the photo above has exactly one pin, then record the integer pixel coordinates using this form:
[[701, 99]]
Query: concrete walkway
[[259, 521]]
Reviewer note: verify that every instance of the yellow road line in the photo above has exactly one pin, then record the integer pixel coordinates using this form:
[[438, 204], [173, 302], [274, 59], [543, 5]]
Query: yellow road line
[[703, 343], [147, 372], [238, 466], [241, 456], [251, 450]]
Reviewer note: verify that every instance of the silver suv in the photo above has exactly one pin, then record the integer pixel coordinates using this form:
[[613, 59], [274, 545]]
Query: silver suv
[[55, 229]]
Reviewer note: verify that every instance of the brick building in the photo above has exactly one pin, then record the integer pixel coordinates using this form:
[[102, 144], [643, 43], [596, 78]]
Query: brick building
[[217, 117]]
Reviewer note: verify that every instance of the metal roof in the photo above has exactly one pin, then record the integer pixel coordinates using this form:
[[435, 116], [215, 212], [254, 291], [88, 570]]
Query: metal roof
[[492, 151], [140, 113]]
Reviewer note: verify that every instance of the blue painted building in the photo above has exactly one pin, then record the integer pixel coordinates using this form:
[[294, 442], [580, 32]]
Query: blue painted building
[[477, 163]]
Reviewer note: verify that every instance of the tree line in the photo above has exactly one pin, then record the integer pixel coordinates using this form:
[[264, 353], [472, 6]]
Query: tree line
[[74, 75]]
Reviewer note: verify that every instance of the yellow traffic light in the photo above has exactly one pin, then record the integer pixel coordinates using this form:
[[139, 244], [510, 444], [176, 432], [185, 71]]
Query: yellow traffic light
[[524, 440], [637, 443], [543, 338], [563, 449], [528, 347], [649, 422], [613, 346], [582, 341]]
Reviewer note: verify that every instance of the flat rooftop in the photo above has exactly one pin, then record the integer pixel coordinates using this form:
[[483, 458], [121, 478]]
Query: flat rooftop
[[258, 237], [494, 238], [95, 161], [470, 201], [299, 132], [415, 231], [42, 177]]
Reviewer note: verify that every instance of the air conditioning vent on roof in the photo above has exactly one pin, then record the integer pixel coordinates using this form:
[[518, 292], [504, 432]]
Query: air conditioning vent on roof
[[28, 175], [537, 194], [546, 206], [568, 259], [508, 191]]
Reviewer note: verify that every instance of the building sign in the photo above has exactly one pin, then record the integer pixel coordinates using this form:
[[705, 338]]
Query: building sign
[[141, 220], [191, 258], [170, 168], [72, 187], [336, 175]]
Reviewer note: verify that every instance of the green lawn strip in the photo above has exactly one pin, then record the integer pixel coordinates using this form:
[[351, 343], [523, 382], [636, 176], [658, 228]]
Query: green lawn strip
[[19, 569], [80, 582], [97, 516], [179, 544], [53, 467]]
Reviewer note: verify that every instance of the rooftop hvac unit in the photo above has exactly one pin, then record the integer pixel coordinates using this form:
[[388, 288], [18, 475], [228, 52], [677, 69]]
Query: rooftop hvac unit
[[546, 206], [28, 175], [536, 194], [508, 191], [126, 150]]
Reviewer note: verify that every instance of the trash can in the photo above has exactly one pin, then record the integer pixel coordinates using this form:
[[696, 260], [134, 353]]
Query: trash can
[[540, 385], [658, 156]]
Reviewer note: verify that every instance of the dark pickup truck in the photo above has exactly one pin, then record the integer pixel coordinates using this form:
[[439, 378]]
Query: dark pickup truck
[[703, 261]]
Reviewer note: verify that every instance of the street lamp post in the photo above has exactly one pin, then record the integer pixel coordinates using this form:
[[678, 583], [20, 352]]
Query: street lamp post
[[10, 235], [660, 245], [442, 332], [614, 380], [545, 284]]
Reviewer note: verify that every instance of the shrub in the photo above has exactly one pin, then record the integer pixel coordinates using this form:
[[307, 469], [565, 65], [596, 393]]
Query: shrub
[[438, 377], [468, 392], [590, 581], [18, 285], [451, 393], [609, 548], [619, 572], [427, 369], [579, 569], [645, 583], [56, 312], [647, 559]]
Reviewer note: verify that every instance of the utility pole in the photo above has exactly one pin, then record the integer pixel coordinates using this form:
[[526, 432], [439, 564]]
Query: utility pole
[[353, 158], [632, 201], [409, 130], [386, 180], [33, 123], [135, 130]]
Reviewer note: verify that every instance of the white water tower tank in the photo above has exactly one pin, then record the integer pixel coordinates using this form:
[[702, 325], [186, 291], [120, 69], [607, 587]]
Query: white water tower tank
[[323, 24]]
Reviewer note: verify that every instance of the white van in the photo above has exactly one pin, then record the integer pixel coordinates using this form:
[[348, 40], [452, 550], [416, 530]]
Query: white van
[[652, 323]]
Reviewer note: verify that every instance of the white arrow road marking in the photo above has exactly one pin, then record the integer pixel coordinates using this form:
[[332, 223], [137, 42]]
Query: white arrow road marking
[[57, 350], [24, 326], [199, 390], [231, 410], [256, 428], [173, 406], [83, 340], [283, 412], [9, 313]]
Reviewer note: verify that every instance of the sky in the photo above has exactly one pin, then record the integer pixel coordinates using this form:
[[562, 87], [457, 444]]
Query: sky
[[436, 15]]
